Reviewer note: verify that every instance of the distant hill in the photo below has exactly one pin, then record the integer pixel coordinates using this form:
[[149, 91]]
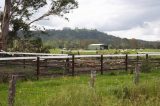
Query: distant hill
[[80, 38]]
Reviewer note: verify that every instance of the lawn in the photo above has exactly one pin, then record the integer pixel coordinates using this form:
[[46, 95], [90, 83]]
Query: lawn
[[111, 89]]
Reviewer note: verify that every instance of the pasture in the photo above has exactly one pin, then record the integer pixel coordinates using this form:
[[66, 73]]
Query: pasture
[[109, 51], [47, 61], [112, 89], [114, 85]]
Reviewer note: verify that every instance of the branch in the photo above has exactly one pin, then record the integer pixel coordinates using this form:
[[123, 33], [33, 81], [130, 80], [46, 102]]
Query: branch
[[39, 18], [59, 8], [13, 9]]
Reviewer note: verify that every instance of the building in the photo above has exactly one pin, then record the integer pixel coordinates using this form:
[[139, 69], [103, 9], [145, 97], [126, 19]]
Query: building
[[97, 46]]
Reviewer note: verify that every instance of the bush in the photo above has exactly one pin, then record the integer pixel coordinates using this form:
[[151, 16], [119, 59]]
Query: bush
[[146, 66], [112, 73], [4, 78], [139, 95]]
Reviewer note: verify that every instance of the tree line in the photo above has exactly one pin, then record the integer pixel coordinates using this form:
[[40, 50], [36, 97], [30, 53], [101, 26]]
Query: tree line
[[81, 38]]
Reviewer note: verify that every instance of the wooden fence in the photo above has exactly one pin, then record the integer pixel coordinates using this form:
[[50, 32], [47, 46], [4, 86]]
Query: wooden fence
[[74, 64]]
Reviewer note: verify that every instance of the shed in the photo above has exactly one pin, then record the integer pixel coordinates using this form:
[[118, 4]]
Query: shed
[[97, 46]]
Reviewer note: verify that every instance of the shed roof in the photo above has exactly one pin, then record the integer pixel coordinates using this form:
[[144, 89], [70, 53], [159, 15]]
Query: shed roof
[[96, 44]]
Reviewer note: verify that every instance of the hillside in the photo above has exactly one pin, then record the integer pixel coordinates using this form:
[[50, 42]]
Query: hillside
[[80, 38]]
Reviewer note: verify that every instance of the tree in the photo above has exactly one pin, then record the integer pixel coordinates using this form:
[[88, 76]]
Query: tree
[[5, 23], [134, 43], [18, 14], [1, 18]]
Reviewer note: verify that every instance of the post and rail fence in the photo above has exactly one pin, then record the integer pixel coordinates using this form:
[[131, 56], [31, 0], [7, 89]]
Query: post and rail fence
[[74, 64], [71, 63]]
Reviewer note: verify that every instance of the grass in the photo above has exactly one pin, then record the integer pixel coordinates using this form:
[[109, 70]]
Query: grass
[[110, 90], [110, 51]]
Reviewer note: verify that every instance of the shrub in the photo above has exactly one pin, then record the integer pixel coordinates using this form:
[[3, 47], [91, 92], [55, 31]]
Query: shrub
[[112, 73], [4, 78], [146, 66], [138, 95]]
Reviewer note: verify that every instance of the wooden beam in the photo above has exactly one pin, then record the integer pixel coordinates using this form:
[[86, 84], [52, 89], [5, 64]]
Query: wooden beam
[[38, 69], [72, 64], [126, 62], [147, 57], [101, 64]]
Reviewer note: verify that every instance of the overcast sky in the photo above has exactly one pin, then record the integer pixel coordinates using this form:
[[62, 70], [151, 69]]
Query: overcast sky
[[138, 19]]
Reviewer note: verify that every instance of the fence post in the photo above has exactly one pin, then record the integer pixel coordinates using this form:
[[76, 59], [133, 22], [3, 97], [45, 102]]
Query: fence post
[[46, 64], [12, 91], [38, 64], [147, 57], [101, 64], [93, 78], [24, 63], [72, 64], [126, 62], [67, 65], [137, 59], [137, 72]]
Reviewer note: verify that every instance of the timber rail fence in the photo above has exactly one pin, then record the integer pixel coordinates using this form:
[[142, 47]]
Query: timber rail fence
[[74, 64]]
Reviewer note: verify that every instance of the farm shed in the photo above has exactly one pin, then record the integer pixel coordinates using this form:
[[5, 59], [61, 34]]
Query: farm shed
[[97, 46]]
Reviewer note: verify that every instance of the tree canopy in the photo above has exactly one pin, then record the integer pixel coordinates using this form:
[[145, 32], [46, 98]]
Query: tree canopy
[[18, 14]]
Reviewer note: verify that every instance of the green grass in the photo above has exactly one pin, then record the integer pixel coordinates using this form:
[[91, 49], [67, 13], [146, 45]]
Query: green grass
[[110, 51], [55, 51], [110, 90]]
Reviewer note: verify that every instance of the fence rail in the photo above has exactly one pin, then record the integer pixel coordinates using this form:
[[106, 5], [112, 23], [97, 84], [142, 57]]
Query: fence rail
[[31, 54], [74, 64], [76, 56]]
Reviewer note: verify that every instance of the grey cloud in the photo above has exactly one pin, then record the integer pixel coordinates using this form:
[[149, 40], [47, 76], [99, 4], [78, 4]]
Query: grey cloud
[[113, 15], [134, 17]]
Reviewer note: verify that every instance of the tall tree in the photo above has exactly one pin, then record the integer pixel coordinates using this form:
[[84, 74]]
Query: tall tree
[[18, 14], [5, 23]]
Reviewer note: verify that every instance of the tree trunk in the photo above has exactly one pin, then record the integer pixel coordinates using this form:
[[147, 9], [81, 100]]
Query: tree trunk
[[5, 25]]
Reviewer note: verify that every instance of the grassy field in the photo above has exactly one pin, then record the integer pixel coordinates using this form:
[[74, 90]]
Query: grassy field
[[110, 51], [112, 89]]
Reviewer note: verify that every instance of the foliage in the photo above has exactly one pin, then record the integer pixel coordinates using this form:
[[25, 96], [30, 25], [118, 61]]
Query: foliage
[[4, 78], [139, 94], [81, 38], [146, 66], [20, 15], [27, 45]]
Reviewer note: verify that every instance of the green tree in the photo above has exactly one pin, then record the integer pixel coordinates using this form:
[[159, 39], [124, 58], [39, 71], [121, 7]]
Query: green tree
[[18, 14]]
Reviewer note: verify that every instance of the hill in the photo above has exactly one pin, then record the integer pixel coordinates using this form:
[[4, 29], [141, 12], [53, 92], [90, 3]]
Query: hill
[[80, 38]]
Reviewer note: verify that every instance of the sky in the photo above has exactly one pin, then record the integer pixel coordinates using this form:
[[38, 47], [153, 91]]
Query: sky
[[138, 19]]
